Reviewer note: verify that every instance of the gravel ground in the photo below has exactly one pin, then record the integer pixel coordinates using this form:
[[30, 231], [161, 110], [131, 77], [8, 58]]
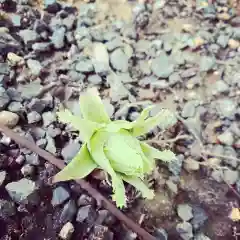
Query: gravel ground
[[182, 55]]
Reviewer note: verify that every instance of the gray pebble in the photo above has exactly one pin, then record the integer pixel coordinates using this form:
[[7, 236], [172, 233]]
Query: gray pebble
[[70, 151], [7, 209], [95, 79], [42, 143], [185, 230], [34, 66], [160, 84], [66, 231], [3, 175], [30, 90], [230, 176], [222, 40], [160, 234], [60, 195], [217, 175], [191, 72], [41, 47], [38, 133], [147, 81], [58, 38], [226, 107], [36, 105], [4, 98], [68, 212], [84, 66], [33, 117], [48, 118], [189, 109], [219, 87], [162, 66], [176, 165], [174, 79], [206, 63], [119, 60], [50, 145], [20, 190], [86, 213], [199, 217], [15, 107], [32, 159], [201, 236], [28, 36], [27, 170], [114, 43], [185, 212], [226, 138]]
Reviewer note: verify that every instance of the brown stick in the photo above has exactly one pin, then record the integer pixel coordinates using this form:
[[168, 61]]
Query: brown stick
[[84, 185]]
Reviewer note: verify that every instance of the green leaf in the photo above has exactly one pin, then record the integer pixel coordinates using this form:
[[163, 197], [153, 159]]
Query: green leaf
[[85, 127], [115, 126], [151, 152], [163, 119], [124, 153], [139, 185], [96, 146], [80, 166], [92, 107]]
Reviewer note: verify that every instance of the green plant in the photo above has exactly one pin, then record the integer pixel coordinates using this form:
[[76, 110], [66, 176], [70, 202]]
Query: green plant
[[113, 147]]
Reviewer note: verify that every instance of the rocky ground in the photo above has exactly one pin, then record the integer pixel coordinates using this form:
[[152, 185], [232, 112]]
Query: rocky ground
[[182, 55]]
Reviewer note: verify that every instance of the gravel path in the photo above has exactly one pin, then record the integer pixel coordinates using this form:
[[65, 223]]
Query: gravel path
[[182, 55]]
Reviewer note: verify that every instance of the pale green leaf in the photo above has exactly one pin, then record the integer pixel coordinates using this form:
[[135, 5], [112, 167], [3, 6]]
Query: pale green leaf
[[163, 119], [92, 107], [85, 127], [80, 166], [124, 153], [151, 152], [96, 146], [115, 126], [140, 186]]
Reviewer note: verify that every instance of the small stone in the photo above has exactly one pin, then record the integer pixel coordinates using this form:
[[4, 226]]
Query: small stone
[[101, 233], [226, 138], [36, 105], [15, 107], [58, 38], [68, 212], [32, 159], [176, 165], [8, 119], [35, 67], [226, 107], [206, 63], [20, 159], [85, 200], [230, 176], [70, 151], [16, 20], [162, 66], [41, 47], [223, 16], [191, 165], [38, 133], [217, 175], [119, 60], [201, 236], [95, 79], [27, 170], [14, 59], [28, 36], [223, 40], [172, 187], [7, 209], [184, 212], [199, 217], [33, 117], [20, 190], [50, 145], [42, 143], [160, 234], [30, 90], [48, 118], [174, 79], [219, 87], [189, 109], [3, 175], [52, 6], [86, 213], [84, 66], [161, 84], [185, 230], [233, 44], [53, 131], [60, 195], [4, 98], [114, 43], [66, 231], [191, 72]]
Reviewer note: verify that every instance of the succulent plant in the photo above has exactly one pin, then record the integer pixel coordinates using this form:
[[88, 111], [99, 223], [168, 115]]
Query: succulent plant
[[113, 146]]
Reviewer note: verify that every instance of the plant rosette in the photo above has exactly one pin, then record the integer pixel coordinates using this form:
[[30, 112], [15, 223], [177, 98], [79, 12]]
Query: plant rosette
[[113, 146]]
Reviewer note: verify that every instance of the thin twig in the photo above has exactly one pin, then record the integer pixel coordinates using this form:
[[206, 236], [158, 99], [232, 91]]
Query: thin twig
[[219, 155], [172, 140], [84, 185]]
